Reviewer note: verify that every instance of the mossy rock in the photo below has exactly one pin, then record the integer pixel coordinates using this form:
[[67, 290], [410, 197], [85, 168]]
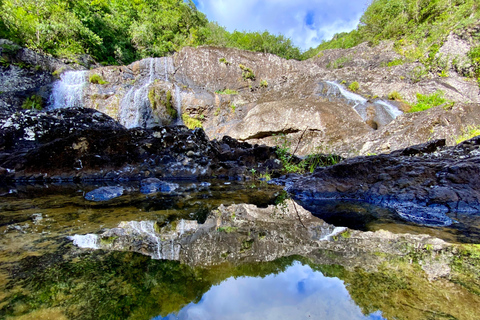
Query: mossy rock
[[162, 106]]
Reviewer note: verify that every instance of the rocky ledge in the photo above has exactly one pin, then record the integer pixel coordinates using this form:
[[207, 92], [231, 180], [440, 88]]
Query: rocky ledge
[[84, 144], [427, 184]]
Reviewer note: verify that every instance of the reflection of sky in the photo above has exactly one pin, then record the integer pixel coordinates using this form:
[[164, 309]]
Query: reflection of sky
[[297, 293]]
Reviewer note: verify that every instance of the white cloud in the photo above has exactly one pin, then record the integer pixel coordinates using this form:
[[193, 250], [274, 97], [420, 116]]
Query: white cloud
[[306, 22]]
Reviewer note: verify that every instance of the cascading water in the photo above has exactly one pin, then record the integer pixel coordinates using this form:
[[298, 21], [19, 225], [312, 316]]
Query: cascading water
[[135, 108], [178, 105], [379, 111], [68, 91]]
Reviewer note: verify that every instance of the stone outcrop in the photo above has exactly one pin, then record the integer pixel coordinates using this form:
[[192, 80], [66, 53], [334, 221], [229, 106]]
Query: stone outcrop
[[424, 184], [79, 144]]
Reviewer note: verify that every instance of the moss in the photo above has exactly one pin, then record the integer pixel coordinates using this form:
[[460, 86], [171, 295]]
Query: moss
[[33, 102], [108, 240], [159, 98], [233, 107], [223, 60], [97, 79], [227, 229], [425, 102], [58, 72], [190, 122]]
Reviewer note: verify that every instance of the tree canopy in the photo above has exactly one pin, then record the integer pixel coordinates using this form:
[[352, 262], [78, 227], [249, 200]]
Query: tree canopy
[[122, 31]]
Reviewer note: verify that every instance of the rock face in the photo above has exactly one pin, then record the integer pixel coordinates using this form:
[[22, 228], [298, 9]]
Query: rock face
[[425, 184], [78, 143], [245, 233], [254, 97]]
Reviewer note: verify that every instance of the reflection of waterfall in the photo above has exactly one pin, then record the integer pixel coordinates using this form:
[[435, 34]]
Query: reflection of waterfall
[[135, 110], [68, 91], [88, 241], [379, 111]]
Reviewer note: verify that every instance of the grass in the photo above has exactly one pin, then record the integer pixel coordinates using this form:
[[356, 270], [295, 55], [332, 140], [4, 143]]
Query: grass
[[226, 91], [227, 229], [469, 133], [190, 122], [247, 73], [97, 79]]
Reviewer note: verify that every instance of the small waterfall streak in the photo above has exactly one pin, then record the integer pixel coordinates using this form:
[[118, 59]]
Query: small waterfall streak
[[355, 98], [178, 105], [68, 91], [135, 110], [147, 228], [392, 110], [88, 241], [336, 231]]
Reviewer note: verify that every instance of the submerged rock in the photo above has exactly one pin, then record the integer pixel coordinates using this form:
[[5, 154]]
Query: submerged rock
[[153, 185], [104, 194]]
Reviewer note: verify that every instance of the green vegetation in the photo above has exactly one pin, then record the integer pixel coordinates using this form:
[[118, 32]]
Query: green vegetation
[[223, 60], [97, 79], [226, 91], [263, 83], [33, 102], [468, 133], [394, 95], [418, 28], [340, 62], [227, 229], [120, 32], [233, 107], [396, 62], [190, 122], [247, 73], [354, 86], [292, 164], [159, 98], [425, 102]]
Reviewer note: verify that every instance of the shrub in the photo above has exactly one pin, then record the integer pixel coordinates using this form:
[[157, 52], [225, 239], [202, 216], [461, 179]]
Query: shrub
[[394, 95], [33, 102], [97, 79], [354, 86], [247, 73], [425, 102], [263, 83]]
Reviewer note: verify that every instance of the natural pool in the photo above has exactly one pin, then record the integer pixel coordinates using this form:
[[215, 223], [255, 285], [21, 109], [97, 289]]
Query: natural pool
[[44, 276]]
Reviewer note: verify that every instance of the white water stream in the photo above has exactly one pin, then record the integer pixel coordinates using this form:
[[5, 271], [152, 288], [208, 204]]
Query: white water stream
[[68, 91]]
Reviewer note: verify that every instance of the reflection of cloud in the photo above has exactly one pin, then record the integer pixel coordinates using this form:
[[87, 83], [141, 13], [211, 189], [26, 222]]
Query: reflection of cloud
[[297, 293], [294, 19]]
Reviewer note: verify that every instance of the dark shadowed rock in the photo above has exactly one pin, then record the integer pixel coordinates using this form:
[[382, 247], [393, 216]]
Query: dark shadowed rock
[[424, 184]]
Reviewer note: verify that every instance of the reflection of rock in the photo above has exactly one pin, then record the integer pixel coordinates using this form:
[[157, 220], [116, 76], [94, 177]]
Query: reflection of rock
[[246, 233], [152, 185]]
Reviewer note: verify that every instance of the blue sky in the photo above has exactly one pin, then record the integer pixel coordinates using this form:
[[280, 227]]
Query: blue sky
[[306, 22]]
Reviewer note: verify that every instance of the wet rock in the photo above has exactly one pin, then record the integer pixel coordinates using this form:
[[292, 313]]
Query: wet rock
[[425, 184], [104, 193]]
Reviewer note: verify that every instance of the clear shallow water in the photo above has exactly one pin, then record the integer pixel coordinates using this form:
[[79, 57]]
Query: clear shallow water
[[43, 276], [296, 293]]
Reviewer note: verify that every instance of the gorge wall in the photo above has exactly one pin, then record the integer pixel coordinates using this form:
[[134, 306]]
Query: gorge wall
[[254, 97]]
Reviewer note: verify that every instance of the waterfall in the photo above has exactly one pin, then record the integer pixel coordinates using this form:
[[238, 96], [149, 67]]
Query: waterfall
[[178, 105], [383, 111], [68, 91], [135, 110]]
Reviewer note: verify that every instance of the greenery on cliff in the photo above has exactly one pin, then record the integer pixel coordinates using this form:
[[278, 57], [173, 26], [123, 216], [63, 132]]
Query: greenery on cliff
[[423, 23], [122, 31]]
